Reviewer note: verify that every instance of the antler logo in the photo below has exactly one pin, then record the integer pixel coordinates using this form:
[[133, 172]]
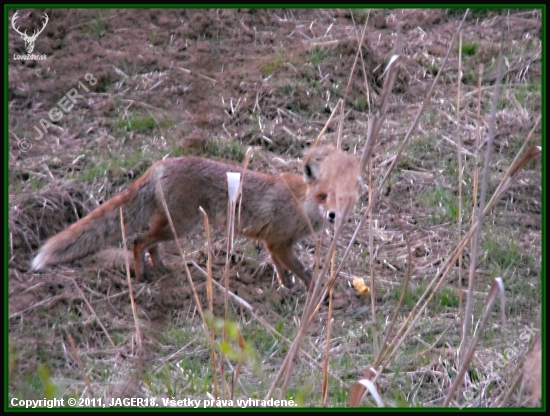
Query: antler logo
[[29, 40]]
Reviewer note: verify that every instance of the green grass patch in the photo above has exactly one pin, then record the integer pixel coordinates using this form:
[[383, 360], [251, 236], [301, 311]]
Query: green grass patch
[[139, 124], [272, 64], [500, 252], [443, 300], [288, 89], [422, 145], [469, 48], [224, 149], [316, 55], [98, 169], [361, 104], [442, 204]]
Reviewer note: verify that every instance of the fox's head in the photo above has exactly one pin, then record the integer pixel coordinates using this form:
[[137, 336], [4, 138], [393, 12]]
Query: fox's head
[[333, 178]]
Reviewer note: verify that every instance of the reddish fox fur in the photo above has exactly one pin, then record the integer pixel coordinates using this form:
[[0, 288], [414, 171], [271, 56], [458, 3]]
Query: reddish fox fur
[[276, 209]]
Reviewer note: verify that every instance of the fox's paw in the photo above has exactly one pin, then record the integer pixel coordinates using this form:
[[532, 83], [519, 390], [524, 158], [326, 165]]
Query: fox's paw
[[296, 291], [162, 269], [152, 273], [286, 296], [286, 280]]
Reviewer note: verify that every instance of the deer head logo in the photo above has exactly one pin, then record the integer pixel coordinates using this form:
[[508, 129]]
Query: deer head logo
[[29, 40]]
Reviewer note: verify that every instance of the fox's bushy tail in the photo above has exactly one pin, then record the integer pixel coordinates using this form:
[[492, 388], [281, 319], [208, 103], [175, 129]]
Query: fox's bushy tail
[[101, 226]]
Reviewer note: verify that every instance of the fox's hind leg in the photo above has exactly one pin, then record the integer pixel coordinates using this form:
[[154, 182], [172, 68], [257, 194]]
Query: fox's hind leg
[[156, 258], [160, 231]]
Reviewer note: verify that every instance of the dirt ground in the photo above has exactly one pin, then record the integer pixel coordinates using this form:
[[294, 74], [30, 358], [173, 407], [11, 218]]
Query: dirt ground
[[172, 82]]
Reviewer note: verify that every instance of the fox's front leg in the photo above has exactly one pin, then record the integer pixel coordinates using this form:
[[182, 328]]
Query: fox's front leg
[[283, 274], [283, 256]]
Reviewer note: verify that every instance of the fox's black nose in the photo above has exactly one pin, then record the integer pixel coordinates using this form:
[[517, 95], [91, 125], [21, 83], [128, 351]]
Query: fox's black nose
[[331, 216]]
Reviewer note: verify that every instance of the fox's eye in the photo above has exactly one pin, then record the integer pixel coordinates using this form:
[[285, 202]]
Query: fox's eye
[[322, 197]]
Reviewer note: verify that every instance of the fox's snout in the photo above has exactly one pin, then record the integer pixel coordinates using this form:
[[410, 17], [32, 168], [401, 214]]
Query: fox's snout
[[333, 205]]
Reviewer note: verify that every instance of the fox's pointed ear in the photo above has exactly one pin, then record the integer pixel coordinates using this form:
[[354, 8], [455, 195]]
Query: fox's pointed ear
[[311, 170], [312, 161]]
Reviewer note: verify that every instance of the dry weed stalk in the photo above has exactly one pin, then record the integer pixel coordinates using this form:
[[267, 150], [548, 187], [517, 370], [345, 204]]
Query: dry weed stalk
[[360, 53], [321, 289], [414, 315], [459, 158], [497, 287], [324, 384], [80, 365], [92, 310], [315, 296], [374, 130], [209, 298], [182, 255], [528, 371], [130, 289], [267, 325], [231, 206], [477, 236]]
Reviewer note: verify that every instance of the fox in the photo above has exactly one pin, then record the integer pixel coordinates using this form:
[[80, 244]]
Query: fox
[[276, 209]]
